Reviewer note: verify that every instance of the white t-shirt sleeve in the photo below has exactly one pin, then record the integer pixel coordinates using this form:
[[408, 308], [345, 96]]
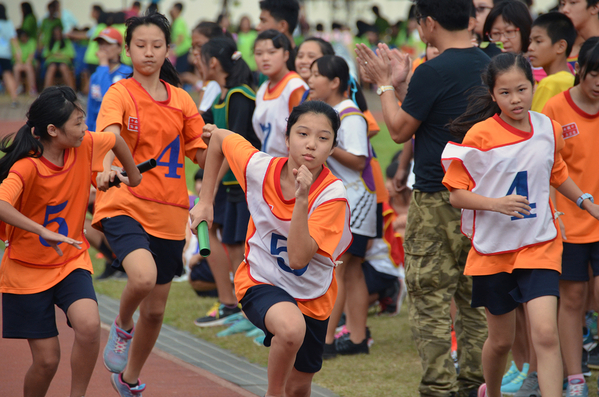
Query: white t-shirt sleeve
[[353, 136], [210, 93]]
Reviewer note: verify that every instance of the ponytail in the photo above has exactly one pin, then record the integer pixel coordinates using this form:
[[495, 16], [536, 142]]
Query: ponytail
[[54, 106], [333, 66], [356, 94], [481, 105], [225, 51], [168, 72]]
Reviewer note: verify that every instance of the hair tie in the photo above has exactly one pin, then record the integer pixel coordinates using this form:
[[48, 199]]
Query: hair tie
[[236, 55], [353, 88], [29, 124]]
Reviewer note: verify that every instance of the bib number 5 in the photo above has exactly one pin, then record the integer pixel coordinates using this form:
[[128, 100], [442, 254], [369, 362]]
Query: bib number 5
[[62, 223], [276, 250]]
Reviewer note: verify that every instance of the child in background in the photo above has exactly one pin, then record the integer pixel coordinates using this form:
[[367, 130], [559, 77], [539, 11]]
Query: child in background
[[551, 40], [109, 71], [278, 95], [299, 227], [51, 151], [577, 110], [501, 178], [58, 57], [350, 161], [8, 44], [24, 62], [145, 226]]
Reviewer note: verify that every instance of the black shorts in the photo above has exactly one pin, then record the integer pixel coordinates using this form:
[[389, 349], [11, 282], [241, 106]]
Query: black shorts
[[5, 65], [377, 282], [379, 220], [260, 298], [358, 245], [201, 272], [220, 201], [576, 259], [503, 292], [125, 235], [33, 316], [237, 217]]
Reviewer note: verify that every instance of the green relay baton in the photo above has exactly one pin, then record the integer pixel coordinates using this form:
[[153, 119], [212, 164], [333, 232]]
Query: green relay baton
[[203, 240]]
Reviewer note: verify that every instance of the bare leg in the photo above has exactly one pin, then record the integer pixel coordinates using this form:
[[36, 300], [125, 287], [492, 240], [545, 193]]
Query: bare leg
[[30, 73], [67, 75], [521, 347], [502, 329], [11, 84], [151, 313], [236, 254], [50, 73], [286, 322], [141, 272], [299, 384], [46, 356], [340, 300], [85, 319], [542, 314], [571, 309], [219, 265], [356, 299]]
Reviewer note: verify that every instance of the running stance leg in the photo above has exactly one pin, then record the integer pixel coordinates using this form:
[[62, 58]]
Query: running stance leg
[[141, 279], [299, 384], [502, 329], [46, 356]]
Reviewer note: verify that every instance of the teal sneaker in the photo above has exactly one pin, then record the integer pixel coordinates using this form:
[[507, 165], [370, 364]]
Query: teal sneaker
[[510, 374], [516, 383], [238, 327], [124, 389], [116, 351]]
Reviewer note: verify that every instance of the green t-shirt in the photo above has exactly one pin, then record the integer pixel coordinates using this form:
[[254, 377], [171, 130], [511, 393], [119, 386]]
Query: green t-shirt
[[60, 55], [90, 56], [46, 30], [27, 49], [122, 28], [245, 44], [30, 26], [180, 37]]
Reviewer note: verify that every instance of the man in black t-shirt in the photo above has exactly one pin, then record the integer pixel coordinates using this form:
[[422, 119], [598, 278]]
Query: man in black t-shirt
[[435, 249]]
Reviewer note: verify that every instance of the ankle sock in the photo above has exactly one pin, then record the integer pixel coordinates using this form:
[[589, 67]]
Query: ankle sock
[[577, 376], [231, 306], [131, 385]]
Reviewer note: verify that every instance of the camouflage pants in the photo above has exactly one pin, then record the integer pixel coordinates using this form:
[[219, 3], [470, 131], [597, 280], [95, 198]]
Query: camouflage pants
[[436, 254]]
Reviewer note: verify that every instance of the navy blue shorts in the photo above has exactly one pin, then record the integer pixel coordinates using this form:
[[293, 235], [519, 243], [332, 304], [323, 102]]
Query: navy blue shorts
[[576, 259], [33, 316], [201, 272], [376, 282], [256, 302], [220, 201], [358, 245], [5, 65], [125, 235], [503, 292], [379, 220], [235, 227]]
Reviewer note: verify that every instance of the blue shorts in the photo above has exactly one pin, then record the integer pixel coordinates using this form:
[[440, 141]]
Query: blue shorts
[[5, 65], [576, 259], [235, 227], [256, 302], [201, 272], [33, 316], [125, 235], [358, 245], [220, 201], [377, 282], [502, 292]]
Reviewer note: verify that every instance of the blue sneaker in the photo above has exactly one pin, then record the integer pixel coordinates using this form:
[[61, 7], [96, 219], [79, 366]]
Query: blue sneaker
[[116, 351], [124, 389], [577, 388], [240, 326], [510, 374], [516, 383]]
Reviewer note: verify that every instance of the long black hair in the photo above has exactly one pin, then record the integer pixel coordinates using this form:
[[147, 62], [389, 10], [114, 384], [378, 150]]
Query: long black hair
[[588, 59], [481, 105], [331, 66], [168, 72], [26, 9], [53, 39], [315, 107], [54, 106], [225, 51]]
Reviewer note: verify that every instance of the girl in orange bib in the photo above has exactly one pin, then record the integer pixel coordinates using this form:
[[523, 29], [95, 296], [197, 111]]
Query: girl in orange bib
[[145, 226], [46, 174]]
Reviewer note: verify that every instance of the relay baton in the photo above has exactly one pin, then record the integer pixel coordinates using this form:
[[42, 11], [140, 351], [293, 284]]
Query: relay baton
[[142, 167], [203, 240]]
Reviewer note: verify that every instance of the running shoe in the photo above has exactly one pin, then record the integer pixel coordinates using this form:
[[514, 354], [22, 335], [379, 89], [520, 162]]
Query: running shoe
[[577, 388], [116, 351], [530, 386], [511, 373], [124, 389], [345, 346], [516, 383], [482, 390], [243, 325], [219, 318]]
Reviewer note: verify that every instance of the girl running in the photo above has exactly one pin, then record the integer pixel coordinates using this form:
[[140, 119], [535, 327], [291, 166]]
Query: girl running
[[145, 226], [350, 161], [278, 95], [53, 150], [577, 110], [299, 227], [501, 177], [232, 110]]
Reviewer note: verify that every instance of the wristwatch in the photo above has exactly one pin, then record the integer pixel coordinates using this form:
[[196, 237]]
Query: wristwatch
[[584, 197], [384, 88]]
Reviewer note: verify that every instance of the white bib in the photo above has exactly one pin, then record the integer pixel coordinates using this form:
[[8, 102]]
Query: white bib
[[267, 253], [523, 168]]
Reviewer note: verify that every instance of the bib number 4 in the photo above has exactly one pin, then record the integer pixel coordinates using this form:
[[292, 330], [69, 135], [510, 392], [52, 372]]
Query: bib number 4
[[172, 163], [520, 187], [276, 250]]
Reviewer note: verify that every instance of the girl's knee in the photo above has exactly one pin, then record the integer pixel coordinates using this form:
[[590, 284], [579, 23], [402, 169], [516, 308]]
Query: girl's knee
[[47, 362], [142, 284], [153, 315], [88, 330], [500, 346], [545, 336], [290, 335]]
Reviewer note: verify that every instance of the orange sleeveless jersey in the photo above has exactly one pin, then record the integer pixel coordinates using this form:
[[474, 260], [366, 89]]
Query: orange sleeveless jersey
[[326, 223], [580, 153], [57, 198], [166, 131], [543, 256]]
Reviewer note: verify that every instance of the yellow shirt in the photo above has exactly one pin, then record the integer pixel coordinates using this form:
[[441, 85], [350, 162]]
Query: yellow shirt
[[549, 87]]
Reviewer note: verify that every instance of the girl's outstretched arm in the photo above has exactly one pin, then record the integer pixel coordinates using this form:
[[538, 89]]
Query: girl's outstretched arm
[[10, 215], [512, 205], [572, 192], [203, 210], [301, 247], [121, 150]]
